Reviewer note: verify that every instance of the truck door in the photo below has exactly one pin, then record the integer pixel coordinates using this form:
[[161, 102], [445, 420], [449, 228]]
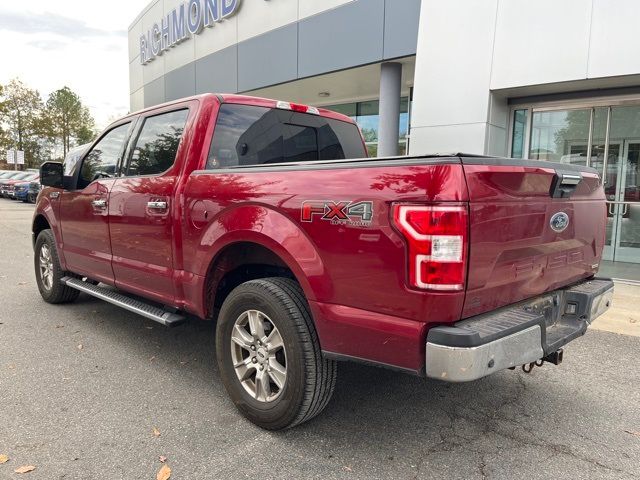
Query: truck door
[[141, 204], [83, 211]]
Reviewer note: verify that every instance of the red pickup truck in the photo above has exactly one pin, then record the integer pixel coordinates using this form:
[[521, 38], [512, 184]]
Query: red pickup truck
[[268, 217]]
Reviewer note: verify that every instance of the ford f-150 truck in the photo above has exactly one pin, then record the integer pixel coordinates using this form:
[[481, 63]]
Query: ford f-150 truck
[[268, 217]]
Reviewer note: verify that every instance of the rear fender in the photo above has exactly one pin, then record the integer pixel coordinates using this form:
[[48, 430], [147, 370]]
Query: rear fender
[[274, 231]]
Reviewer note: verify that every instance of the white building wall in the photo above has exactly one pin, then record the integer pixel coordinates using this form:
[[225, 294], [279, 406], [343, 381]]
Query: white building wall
[[472, 55]]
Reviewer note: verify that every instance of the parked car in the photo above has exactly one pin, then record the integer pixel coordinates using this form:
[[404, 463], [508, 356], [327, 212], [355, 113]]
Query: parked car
[[21, 190], [266, 216], [27, 191], [6, 184]]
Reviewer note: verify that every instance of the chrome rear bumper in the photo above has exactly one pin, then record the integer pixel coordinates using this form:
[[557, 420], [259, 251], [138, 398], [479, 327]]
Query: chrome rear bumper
[[515, 335]]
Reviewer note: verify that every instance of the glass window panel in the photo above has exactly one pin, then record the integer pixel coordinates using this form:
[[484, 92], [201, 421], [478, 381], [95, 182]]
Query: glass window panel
[[560, 136], [157, 143], [366, 115], [598, 137], [624, 150], [103, 158], [250, 135], [519, 130], [348, 109], [630, 226]]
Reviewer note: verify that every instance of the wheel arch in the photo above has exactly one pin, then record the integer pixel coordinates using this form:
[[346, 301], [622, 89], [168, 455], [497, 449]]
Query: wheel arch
[[238, 262]]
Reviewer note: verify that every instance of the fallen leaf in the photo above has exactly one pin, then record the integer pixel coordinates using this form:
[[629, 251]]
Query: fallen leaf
[[348, 469], [80, 347], [164, 473], [631, 432], [3, 459], [26, 469], [162, 458], [156, 432]]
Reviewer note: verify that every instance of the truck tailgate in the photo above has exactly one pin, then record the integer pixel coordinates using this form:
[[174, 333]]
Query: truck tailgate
[[520, 242]]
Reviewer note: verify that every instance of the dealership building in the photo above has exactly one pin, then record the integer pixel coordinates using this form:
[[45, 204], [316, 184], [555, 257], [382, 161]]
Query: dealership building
[[549, 80]]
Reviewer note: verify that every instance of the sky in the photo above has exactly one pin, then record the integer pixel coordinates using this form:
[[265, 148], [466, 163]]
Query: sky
[[78, 43]]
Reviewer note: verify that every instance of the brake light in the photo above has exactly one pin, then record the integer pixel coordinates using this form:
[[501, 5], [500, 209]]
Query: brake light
[[296, 107], [437, 238]]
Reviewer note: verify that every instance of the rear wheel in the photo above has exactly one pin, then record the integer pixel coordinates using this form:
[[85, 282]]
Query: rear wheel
[[269, 355], [48, 271]]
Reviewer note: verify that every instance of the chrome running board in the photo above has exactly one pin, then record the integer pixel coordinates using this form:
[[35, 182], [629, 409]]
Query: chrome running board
[[160, 315]]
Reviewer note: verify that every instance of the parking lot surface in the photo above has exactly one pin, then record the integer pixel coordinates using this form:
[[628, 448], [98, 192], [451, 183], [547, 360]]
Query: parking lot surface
[[83, 386]]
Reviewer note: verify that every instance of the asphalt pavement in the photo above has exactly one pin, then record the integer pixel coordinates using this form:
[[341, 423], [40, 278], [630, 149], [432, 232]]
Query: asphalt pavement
[[90, 391]]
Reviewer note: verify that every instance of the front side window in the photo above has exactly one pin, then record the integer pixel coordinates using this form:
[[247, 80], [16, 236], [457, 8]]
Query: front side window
[[102, 159], [157, 144], [250, 135]]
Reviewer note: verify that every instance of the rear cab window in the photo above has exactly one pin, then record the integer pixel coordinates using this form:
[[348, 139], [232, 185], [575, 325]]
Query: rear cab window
[[251, 135]]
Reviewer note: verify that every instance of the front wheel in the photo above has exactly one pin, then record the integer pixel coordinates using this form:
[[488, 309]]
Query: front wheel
[[48, 271], [269, 355]]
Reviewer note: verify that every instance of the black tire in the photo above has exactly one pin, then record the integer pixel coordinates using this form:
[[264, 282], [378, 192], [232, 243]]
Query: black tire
[[56, 292], [310, 378]]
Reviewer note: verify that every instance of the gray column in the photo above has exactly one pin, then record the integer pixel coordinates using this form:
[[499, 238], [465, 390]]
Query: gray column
[[390, 88]]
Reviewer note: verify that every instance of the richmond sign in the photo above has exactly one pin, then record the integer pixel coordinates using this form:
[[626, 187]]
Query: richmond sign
[[181, 23]]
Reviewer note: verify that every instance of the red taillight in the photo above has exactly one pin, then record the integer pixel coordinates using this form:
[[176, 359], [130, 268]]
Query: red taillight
[[437, 241]]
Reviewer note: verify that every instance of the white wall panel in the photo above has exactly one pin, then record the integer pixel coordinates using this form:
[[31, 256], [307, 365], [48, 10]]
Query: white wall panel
[[259, 17], [615, 45], [453, 68], [467, 138], [313, 7], [541, 41], [214, 39], [136, 100], [134, 40], [136, 79]]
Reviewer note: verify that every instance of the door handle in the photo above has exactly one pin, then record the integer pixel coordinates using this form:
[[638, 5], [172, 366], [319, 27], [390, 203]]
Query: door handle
[[99, 203], [157, 205]]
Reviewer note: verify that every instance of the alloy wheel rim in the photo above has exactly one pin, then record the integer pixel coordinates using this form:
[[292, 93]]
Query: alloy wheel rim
[[259, 356], [46, 267]]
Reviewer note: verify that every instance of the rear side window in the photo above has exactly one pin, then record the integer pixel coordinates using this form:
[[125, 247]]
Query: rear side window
[[249, 135], [157, 143]]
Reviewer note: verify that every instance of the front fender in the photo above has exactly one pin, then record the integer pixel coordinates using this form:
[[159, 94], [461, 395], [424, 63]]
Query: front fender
[[47, 208], [266, 227]]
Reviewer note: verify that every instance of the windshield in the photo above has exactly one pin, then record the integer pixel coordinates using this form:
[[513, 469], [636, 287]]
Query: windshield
[[22, 176], [9, 174]]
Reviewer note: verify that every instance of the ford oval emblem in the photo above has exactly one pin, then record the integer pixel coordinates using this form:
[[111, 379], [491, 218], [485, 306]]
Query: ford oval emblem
[[559, 222]]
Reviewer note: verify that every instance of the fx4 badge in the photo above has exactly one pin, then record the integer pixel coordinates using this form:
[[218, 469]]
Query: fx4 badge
[[358, 214]]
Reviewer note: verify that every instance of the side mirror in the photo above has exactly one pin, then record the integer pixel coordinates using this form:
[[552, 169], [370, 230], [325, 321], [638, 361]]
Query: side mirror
[[51, 174]]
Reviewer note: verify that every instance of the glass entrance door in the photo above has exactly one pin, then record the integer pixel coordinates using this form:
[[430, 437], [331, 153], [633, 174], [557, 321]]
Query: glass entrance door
[[621, 183]]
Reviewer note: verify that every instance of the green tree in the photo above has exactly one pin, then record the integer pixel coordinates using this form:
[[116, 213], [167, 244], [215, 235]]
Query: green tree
[[4, 134], [67, 119], [20, 119]]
